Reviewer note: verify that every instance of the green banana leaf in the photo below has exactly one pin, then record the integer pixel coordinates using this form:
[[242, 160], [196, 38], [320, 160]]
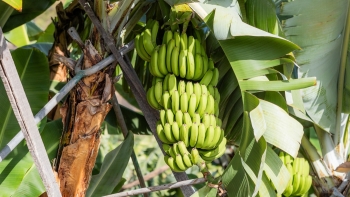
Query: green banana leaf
[[112, 169], [5, 13], [33, 70], [18, 174], [29, 11], [318, 28], [18, 36], [17, 4]]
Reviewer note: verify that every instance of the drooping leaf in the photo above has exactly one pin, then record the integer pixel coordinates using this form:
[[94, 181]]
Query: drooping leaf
[[18, 174], [29, 11], [112, 169], [18, 36], [33, 70], [344, 167], [321, 52]]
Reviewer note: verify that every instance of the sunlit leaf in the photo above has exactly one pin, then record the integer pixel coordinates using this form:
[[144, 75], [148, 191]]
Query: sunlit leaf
[[17, 4]]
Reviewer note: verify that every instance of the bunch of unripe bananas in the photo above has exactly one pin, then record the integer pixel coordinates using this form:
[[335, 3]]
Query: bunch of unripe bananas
[[298, 168], [184, 90]]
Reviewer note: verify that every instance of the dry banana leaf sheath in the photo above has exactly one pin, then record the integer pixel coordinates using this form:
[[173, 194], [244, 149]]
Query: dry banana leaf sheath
[[82, 115]]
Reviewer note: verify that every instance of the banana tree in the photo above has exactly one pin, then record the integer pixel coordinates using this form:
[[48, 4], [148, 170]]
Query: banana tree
[[273, 98]]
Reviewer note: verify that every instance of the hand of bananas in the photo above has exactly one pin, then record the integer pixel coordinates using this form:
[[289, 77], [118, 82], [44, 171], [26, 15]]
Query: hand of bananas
[[184, 90], [298, 168]]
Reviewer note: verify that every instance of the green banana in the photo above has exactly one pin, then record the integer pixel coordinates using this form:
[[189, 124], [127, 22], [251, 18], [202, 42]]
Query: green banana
[[183, 41], [210, 155], [202, 104], [172, 164], [212, 120], [140, 50], [193, 134], [307, 184], [181, 87], [180, 163], [216, 95], [191, 45], [215, 140], [147, 41], [154, 64], [172, 84], [175, 61], [151, 99], [161, 60], [158, 92], [162, 116], [184, 103], [211, 90], [169, 116], [169, 50], [161, 134], [176, 148], [195, 156], [187, 160], [190, 66], [182, 64], [176, 131], [177, 39], [175, 101], [207, 78], [154, 32], [209, 135], [166, 101], [206, 120], [168, 35], [197, 90], [201, 135], [198, 62], [166, 148], [179, 117], [187, 119], [210, 105], [218, 121], [192, 105], [204, 89], [210, 64], [302, 180], [182, 148], [184, 134], [296, 165], [215, 79], [198, 46], [189, 88], [205, 66], [296, 182], [168, 133], [166, 83], [196, 118]]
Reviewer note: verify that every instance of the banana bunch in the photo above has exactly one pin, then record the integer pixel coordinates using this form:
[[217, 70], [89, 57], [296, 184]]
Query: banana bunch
[[298, 168], [184, 91]]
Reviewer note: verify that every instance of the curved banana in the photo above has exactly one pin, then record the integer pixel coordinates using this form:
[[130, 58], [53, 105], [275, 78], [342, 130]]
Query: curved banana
[[175, 101], [168, 35], [202, 104], [187, 119], [193, 134], [168, 133], [192, 105], [197, 90], [182, 148], [166, 83], [184, 103], [166, 148], [151, 99], [161, 134], [158, 92], [210, 64], [210, 155], [172, 164], [140, 50], [177, 39], [215, 79], [296, 182], [191, 45], [181, 87], [205, 65], [182, 64], [154, 64], [179, 117], [169, 116], [215, 140], [210, 105], [198, 62], [166, 101], [212, 120], [207, 78], [187, 160], [204, 89], [172, 84], [180, 163], [201, 135], [162, 116], [189, 88], [175, 61], [196, 118], [217, 95], [198, 46], [206, 120], [209, 135], [218, 121], [154, 32], [147, 41], [211, 89], [169, 50], [184, 134], [190, 66], [195, 156], [176, 131], [183, 41], [161, 60]]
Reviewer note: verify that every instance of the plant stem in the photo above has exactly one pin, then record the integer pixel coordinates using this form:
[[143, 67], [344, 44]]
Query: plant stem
[[159, 187], [122, 124]]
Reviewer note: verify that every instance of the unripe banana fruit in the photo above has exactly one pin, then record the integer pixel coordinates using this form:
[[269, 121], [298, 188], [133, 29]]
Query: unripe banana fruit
[[300, 180], [184, 90]]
